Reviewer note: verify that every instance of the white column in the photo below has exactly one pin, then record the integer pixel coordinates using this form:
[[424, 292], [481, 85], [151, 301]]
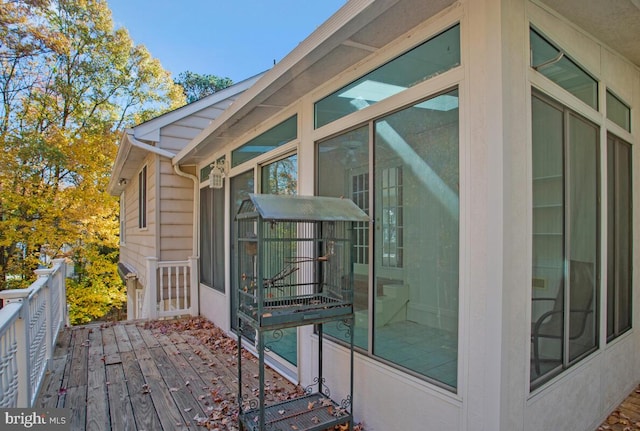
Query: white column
[[194, 284], [151, 288]]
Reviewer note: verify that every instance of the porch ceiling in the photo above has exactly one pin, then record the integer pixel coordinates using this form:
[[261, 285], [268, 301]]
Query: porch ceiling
[[614, 22]]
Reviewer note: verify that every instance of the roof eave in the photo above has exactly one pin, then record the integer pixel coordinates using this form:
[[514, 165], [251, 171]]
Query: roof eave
[[353, 15]]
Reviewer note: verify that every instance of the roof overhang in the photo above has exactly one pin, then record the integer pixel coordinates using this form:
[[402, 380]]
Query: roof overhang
[[131, 153], [361, 27]]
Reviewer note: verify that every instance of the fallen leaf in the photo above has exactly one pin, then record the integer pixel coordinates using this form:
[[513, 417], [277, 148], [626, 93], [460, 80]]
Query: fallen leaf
[[188, 409], [173, 389], [310, 405], [281, 412]]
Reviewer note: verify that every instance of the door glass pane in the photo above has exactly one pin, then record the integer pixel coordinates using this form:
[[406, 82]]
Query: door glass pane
[[281, 178], [548, 239], [623, 236], [241, 186], [343, 170], [619, 234], [583, 235], [416, 291]]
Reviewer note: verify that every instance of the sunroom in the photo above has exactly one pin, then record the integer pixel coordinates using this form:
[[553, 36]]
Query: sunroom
[[490, 143]]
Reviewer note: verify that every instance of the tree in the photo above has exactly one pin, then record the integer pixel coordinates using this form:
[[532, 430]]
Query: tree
[[69, 82], [197, 86]]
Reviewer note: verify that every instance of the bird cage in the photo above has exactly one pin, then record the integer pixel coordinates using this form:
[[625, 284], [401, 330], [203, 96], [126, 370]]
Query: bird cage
[[295, 263]]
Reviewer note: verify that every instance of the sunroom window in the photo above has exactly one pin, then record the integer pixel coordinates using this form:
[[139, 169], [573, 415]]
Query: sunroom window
[[565, 236], [407, 312], [619, 234], [278, 135], [553, 63], [618, 111], [434, 56]]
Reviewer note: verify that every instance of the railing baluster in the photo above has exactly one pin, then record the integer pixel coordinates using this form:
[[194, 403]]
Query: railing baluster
[[29, 328]]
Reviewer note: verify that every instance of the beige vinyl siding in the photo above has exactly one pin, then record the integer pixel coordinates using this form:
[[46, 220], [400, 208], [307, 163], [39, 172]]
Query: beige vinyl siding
[[140, 242], [176, 214]]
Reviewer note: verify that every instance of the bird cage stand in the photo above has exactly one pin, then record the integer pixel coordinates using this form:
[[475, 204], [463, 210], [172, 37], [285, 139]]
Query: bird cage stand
[[294, 268]]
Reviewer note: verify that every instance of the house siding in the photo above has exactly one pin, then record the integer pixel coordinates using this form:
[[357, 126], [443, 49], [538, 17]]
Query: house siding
[[176, 214]]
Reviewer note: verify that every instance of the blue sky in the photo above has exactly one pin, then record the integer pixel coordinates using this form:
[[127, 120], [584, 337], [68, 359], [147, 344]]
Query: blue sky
[[232, 38]]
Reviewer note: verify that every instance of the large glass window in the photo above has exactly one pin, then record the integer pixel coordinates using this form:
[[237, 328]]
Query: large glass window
[[412, 303], [555, 65], [281, 178], [435, 56], [619, 233], [278, 135], [343, 170], [241, 185], [565, 238]]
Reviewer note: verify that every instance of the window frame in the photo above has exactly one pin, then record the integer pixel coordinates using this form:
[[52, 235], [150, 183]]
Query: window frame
[[376, 183], [566, 361], [142, 198]]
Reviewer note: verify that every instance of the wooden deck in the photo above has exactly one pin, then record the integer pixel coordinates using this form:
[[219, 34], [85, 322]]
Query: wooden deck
[[162, 375]]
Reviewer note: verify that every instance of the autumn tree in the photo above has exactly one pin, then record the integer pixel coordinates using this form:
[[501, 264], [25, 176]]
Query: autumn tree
[[197, 86], [69, 82]]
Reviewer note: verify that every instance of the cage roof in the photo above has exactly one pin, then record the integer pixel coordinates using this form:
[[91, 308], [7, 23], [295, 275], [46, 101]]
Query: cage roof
[[305, 208]]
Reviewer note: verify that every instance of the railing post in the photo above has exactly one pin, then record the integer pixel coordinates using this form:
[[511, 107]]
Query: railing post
[[194, 284], [151, 287], [22, 343]]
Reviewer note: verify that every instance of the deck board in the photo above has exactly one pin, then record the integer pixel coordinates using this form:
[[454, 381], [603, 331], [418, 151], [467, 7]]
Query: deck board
[[97, 404], [148, 376]]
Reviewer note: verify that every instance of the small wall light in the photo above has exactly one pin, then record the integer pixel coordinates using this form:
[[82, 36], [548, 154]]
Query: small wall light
[[122, 182], [217, 174]]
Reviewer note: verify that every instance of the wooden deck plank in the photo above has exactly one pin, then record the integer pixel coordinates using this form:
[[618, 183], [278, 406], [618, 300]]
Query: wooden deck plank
[[97, 399], [166, 408], [79, 358], [51, 386], [181, 390], [120, 410], [135, 338], [144, 412], [210, 367], [76, 400], [110, 346], [124, 345], [148, 337]]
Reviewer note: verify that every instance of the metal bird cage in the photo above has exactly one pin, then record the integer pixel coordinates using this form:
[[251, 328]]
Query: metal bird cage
[[295, 268], [295, 263]]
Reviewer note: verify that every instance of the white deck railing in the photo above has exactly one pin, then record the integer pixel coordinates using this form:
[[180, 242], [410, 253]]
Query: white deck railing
[[30, 321], [176, 288]]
